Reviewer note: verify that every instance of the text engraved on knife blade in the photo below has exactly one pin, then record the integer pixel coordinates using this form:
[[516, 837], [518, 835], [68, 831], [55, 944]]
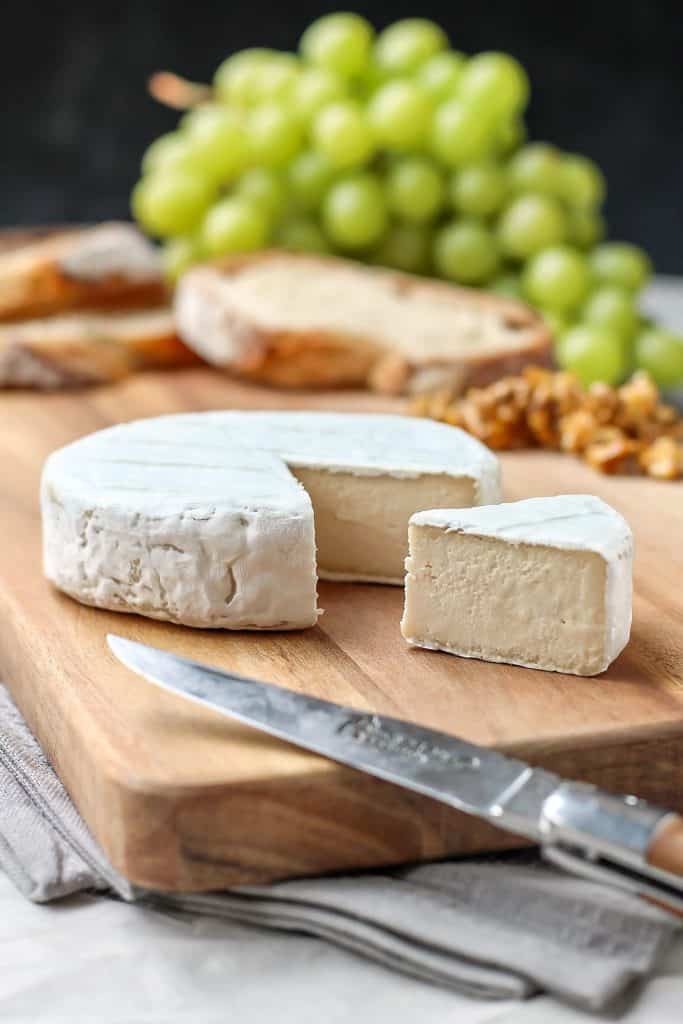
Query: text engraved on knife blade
[[371, 731]]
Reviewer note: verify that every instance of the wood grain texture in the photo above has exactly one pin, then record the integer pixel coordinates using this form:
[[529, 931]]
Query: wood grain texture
[[182, 799]]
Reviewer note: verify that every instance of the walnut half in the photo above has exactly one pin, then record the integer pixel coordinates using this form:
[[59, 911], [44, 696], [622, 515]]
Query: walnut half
[[616, 430]]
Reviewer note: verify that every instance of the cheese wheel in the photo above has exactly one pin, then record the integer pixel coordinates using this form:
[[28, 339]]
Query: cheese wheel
[[213, 519]]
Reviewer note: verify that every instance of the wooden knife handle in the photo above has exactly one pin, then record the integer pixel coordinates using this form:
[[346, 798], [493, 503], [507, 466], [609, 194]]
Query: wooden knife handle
[[666, 853], [666, 849]]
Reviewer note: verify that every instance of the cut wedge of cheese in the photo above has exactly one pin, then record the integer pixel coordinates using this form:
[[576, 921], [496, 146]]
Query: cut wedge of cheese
[[544, 583], [297, 320], [212, 519]]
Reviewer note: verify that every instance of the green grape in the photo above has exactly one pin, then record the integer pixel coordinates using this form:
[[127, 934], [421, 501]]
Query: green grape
[[415, 189], [582, 183], [507, 284], [309, 176], [315, 88], [170, 202], [234, 224], [402, 47], [440, 74], [202, 118], [557, 278], [301, 234], [265, 189], [621, 263], [254, 75], [178, 254], [365, 86], [614, 308], [193, 117], [466, 251], [556, 322], [660, 352], [274, 135], [536, 167], [509, 136], [495, 82], [170, 150], [342, 134], [399, 114], [217, 145], [405, 247], [593, 354], [478, 190], [529, 224], [354, 211], [460, 134], [235, 78], [340, 42], [277, 79], [585, 228]]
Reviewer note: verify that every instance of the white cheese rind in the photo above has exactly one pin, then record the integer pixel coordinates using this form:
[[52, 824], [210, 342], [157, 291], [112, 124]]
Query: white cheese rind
[[196, 533], [198, 519], [367, 444], [579, 524]]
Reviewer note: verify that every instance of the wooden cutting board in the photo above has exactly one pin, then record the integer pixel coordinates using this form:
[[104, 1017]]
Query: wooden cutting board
[[182, 799]]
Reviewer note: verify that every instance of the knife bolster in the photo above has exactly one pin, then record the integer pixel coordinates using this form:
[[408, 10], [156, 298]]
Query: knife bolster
[[620, 840], [619, 828]]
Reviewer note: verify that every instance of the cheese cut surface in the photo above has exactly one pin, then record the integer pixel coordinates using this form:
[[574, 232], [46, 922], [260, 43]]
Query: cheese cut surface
[[211, 519], [545, 583]]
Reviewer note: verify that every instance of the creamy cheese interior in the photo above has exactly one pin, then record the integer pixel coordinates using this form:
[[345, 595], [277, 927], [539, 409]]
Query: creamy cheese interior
[[421, 322], [483, 597], [361, 520]]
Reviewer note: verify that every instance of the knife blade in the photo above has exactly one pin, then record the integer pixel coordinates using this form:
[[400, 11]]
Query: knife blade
[[578, 826]]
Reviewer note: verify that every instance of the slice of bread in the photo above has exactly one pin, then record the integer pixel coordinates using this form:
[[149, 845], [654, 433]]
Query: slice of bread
[[296, 320], [110, 266], [88, 348]]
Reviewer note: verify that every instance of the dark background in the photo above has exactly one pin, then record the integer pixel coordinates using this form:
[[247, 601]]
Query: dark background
[[607, 80]]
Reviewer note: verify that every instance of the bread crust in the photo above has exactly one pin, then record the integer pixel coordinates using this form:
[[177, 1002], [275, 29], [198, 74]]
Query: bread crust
[[315, 358], [81, 348], [36, 278]]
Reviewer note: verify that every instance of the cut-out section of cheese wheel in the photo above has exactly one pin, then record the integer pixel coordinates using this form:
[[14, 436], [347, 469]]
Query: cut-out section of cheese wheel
[[212, 519], [544, 583]]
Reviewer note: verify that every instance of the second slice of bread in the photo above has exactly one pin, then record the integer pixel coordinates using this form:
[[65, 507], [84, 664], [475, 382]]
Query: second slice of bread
[[88, 348]]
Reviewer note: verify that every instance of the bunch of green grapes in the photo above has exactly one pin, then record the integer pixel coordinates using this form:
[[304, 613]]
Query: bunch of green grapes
[[395, 149]]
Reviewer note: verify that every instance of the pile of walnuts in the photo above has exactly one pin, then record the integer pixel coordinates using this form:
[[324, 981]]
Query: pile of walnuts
[[616, 430]]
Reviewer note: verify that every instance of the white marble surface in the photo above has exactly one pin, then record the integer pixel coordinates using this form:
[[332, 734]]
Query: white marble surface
[[90, 960], [96, 961]]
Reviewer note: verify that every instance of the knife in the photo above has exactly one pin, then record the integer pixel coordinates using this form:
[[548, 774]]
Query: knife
[[619, 840]]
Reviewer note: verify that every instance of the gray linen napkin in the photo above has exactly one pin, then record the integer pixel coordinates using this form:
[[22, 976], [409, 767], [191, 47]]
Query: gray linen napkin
[[498, 929]]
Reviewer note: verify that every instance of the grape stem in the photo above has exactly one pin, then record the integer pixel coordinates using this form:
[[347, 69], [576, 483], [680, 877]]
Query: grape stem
[[173, 91]]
